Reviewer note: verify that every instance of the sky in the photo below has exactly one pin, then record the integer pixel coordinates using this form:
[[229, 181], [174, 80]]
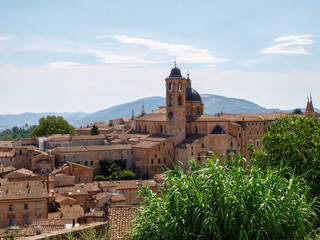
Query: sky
[[75, 55]]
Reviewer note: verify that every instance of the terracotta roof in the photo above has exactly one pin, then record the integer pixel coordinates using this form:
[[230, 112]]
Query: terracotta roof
[[6, 144], [60, 198], [68, 212], [95, 214], [95, 148], [145, 144], [23, 190], [115, 197], [7, 169], [29, 147], [106, 184], [78, 189], [134, 184], [7, 154], [20, 173], [120, 218], [110, 147]]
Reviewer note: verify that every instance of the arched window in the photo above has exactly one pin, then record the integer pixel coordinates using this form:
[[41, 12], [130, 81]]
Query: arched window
[[160, 128], [188, 111], [170, 86], [196, 128], [197, 111], [179, 100], [170, 100], [179, 86]]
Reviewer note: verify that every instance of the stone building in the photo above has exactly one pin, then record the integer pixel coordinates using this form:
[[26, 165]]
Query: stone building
[[194, 134], [22, 202]]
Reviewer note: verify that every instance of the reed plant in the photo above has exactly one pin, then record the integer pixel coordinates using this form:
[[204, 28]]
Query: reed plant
[[225, 201]]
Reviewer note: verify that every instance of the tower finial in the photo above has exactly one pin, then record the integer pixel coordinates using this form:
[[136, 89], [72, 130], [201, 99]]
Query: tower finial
[[175, 63]]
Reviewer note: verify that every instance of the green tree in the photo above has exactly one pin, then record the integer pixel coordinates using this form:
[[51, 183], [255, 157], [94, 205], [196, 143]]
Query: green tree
[[297, 111], [292, 142], [52, 125], [127, 175], [111, 166], [16, 133], [94, 130]]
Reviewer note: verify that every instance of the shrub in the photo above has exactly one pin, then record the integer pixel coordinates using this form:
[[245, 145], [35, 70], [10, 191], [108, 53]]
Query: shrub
[[216, 201]]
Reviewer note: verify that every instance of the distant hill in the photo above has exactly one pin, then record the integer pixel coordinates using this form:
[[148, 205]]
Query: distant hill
[[212, 104]]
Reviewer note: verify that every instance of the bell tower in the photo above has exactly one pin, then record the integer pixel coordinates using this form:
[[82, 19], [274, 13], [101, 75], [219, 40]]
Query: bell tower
[[176, 105]]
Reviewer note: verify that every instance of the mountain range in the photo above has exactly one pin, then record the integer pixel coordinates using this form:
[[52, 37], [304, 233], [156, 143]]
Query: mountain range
[[212, 104]]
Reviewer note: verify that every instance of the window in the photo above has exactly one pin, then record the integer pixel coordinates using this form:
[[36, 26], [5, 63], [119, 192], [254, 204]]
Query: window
[[239, 135], [20, 152], [202, 145], [37, 205], [159, 160], [11, 159], [197, 111], [87, 170], [231, 144], [64, 157], [250, 132], [26, 220], [257, 144], [257, 132], [91, 154], [76, 170], [160, 128], [191, 153], [198, 156], [188, 111], [152, 161], [83, 155], [171, 100], [91, 163], [155, 155], [170, 86], [78, 179], [26, 206], [168, 151], [87, 179], [11, 221], [125, 160], [86, 163], [10, 207], [165, 160], [179, 100], [179, 86]]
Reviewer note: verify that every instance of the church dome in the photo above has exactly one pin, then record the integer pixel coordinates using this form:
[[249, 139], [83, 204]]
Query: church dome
[[192, 95], [175, 72]]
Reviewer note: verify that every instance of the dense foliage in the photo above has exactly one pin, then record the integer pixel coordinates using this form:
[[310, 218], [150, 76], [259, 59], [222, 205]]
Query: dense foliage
[[94, 130], [52, 125], [16, 133], [217, 201], [294, 143], [114, 170]]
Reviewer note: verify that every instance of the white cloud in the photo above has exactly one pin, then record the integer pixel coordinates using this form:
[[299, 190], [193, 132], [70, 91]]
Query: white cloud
[[182, 53], [292, 45], [118, 59], [62, 65], [5, 37]]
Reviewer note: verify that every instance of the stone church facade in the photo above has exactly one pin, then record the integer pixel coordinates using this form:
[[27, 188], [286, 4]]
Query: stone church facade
[[192, 133]]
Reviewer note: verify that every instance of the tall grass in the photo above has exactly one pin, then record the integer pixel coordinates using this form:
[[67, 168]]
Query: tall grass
[[220, 201]]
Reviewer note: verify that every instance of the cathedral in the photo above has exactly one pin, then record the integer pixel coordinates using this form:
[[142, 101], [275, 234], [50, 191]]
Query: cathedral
[[184, 131]]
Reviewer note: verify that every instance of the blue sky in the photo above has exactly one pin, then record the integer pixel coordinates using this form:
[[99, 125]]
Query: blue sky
[[69, 56]]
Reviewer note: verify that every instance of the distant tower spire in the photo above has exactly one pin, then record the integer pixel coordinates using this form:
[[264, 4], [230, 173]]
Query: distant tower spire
[[143, 112], [132, 116]]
